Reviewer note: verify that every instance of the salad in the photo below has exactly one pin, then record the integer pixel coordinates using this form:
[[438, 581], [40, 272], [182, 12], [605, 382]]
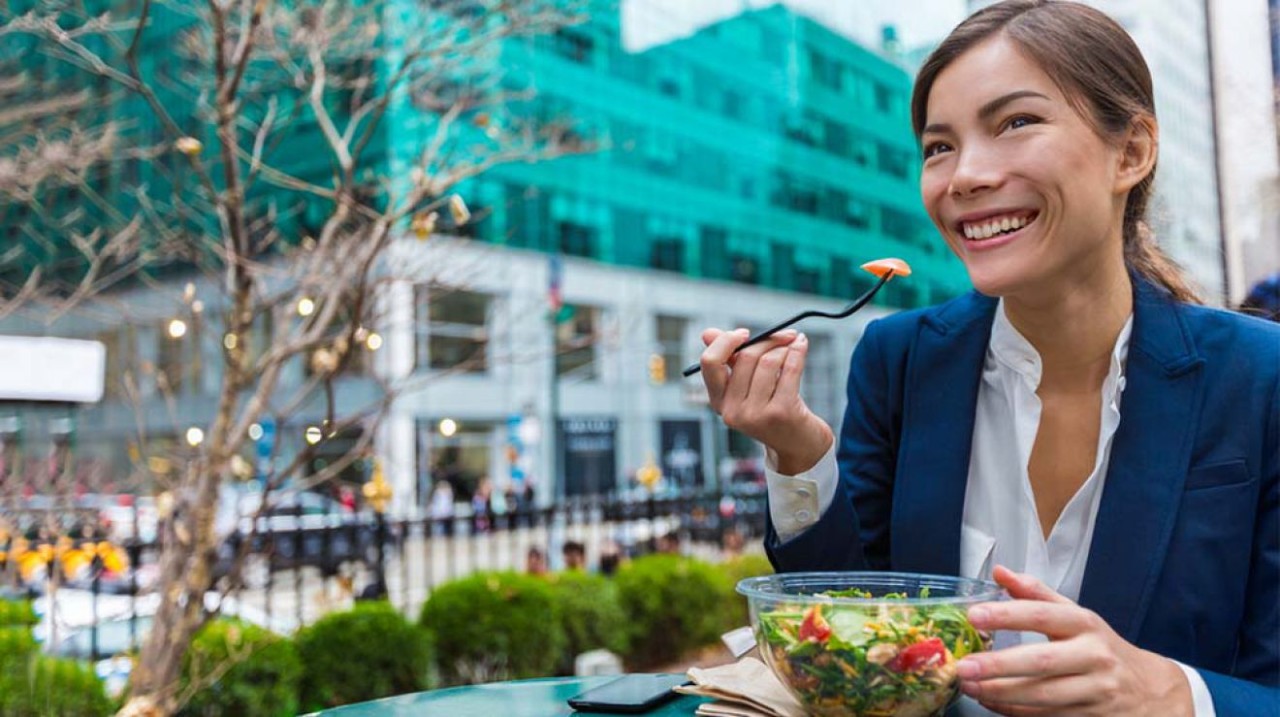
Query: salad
[[878, 660]]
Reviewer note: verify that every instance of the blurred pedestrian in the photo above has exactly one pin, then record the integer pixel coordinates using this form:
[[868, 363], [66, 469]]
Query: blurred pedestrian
[[481, 508], [441, 507], [610, 558], [575, 555], [535, 562], [1263, 300], [669, 543]]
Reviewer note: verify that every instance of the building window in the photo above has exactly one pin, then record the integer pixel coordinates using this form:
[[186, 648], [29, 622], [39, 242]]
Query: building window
[[826, 72], [807, 281], [714, 251], [179, 364], [894, 161], [732, 105], [744, 269], [456, 335], [898, 225], [574, 45], [836, 138], [884, 98], [575, 342], [671, 331], [577, 240], [667, 254]]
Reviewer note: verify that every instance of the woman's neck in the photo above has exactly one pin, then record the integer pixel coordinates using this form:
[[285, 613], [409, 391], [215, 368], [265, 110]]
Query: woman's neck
[[1074, 328]]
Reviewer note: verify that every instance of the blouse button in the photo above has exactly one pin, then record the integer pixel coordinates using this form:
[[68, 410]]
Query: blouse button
[[803, 516]]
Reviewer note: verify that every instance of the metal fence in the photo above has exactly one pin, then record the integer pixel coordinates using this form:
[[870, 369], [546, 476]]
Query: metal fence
[[299, 567]]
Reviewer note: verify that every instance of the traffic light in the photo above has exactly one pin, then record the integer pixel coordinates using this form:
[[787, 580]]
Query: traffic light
[[657, 369]]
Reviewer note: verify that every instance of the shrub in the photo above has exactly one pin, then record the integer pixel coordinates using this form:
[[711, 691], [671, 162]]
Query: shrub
[[42, 686], [17, 613], [262, 671], [34, 685], [16, 644], [736, 569], [673, 604], [362, 654], [495, 626], [590, 615]]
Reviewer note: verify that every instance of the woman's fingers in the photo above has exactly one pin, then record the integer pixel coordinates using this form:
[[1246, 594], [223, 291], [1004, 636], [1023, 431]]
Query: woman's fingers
[[793, 368], [1060, 693], [1055, 620], [767, 366], [1066, 657], [715, 361], [1026, 587]]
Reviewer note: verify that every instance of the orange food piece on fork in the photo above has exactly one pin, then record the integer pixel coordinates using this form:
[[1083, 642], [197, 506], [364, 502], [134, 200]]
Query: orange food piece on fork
[[880, 267]]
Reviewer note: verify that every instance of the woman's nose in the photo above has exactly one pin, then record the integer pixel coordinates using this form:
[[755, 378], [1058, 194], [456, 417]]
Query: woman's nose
[[976, 170]]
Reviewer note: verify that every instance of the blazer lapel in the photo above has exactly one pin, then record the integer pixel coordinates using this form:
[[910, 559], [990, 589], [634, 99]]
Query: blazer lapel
[[944, 374], [1150, 454]]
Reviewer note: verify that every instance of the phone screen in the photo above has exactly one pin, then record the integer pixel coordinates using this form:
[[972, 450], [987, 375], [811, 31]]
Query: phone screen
[[629, 693]]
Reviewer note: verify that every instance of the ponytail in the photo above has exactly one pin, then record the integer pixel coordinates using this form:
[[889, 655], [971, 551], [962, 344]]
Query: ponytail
[[1143, 256]]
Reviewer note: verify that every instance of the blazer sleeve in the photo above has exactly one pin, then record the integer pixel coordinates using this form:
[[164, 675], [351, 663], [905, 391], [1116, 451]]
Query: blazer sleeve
[[853, 533], [1253, 687]]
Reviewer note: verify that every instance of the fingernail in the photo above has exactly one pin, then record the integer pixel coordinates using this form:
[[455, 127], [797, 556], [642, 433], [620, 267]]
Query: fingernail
[[978, 614], [801, 339], [968, 669], [742, 332]]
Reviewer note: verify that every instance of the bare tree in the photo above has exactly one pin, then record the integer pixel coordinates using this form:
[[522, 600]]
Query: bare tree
[[255, 134]]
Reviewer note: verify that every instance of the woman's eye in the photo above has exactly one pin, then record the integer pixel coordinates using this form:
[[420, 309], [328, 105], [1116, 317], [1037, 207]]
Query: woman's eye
[[1018, 121], [935, 148]]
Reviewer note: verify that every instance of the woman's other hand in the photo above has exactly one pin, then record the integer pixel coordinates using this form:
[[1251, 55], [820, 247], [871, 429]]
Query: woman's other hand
[[1085, 669], [757, 391]]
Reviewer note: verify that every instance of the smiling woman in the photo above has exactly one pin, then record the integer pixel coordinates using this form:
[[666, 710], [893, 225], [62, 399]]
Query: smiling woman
[[988, 435]]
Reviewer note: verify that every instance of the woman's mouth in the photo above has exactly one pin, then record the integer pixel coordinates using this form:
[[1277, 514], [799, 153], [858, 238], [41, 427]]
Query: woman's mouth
[[996, 230]]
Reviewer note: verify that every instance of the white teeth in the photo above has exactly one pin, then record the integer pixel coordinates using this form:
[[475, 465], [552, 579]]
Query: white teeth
[[994, 227]]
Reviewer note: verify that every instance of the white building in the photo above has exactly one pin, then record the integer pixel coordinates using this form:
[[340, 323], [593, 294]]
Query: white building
[[1249, 162], [471, 352]]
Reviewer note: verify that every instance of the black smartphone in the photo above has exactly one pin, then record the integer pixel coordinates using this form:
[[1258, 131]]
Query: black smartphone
[[629, 694]]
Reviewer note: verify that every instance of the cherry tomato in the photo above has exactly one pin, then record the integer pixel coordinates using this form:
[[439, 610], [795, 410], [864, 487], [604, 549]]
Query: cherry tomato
[[919, 656], [814, 626]]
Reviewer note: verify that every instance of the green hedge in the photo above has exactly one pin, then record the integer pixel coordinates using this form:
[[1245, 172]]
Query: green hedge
[[362, 654], [590, 615], [735, 570], [673, 604], [493, 626], [262, 680], [42, 686], [35, 685], [17, 613]]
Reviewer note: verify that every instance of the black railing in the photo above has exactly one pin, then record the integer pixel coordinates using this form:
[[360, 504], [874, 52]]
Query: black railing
[[299, 567]]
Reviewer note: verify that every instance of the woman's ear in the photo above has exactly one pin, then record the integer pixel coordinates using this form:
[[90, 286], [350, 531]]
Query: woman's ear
[[1141, 146]]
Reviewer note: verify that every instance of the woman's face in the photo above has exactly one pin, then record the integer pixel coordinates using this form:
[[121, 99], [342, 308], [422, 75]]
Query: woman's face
[[1019, 184]]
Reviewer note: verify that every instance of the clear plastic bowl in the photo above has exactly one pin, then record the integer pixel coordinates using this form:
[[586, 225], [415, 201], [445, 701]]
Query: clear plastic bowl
[[875, 656]]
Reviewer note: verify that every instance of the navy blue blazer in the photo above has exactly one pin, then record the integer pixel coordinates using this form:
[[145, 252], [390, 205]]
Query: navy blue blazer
[[1185, 559]]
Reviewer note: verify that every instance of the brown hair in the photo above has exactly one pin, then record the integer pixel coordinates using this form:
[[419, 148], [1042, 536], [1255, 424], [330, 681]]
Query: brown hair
[[1101, 70]]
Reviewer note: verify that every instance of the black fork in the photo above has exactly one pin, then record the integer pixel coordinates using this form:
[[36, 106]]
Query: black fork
[[858, 303]]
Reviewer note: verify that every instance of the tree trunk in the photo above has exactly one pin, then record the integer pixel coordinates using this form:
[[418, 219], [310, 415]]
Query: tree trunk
[[187, 569]]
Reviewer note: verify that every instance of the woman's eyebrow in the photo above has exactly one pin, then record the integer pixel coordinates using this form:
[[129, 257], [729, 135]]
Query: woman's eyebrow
[[990, 108]]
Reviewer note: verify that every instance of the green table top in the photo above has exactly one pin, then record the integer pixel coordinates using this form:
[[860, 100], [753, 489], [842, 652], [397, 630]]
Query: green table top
[[522, 698]]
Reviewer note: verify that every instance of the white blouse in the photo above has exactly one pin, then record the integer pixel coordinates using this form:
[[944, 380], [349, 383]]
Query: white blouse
[[1000, 523]]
